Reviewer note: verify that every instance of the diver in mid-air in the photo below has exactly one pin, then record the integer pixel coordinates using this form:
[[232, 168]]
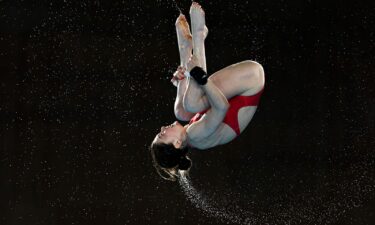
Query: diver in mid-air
[[219, 107]]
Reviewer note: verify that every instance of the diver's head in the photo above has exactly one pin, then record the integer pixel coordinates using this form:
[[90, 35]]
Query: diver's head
[[168, 151], [174, 134]]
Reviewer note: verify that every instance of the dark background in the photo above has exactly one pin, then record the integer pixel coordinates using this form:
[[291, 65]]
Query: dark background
[[85, 87]]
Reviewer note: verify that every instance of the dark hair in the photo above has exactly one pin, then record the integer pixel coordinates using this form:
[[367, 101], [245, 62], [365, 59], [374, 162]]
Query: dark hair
[[169, 160]]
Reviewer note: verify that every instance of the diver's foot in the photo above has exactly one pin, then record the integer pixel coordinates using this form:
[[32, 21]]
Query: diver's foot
[[198, 22], [184, 37]]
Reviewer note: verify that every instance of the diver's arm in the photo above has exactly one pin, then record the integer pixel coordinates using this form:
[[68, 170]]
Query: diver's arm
[[179, 111], [213, 118], [215, 97]]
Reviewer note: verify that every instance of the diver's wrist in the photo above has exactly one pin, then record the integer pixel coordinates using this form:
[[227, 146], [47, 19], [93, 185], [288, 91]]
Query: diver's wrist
[[199, 75]]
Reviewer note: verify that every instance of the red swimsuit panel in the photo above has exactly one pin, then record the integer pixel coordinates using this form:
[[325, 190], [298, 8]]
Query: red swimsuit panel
[[236, 103]]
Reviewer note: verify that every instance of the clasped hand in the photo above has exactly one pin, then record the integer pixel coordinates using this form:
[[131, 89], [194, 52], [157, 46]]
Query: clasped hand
[[180, 72]]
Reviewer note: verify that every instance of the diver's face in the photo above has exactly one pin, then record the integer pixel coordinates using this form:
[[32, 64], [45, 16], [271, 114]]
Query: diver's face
[[169, 134]]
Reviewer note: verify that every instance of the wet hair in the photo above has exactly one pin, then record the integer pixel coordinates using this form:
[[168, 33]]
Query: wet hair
[[169, 161]]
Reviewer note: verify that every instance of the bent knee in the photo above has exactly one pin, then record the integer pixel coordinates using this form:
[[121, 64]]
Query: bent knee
[[254, 75], [254, 67]]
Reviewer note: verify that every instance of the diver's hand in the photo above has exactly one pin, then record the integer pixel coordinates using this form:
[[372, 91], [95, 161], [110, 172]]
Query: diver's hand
[[178, 75]]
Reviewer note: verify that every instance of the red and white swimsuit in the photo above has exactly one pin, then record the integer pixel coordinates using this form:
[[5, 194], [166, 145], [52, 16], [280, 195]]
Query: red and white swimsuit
[[236, 103]]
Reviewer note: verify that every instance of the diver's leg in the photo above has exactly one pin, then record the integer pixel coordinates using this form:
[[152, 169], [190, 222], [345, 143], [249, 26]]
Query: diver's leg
[[199, 31], [193, 98], [244, 78], [184, 40], [185, 46]]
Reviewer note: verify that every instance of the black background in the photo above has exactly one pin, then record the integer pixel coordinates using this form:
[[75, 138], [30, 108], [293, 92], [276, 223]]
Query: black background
[[85, 87]]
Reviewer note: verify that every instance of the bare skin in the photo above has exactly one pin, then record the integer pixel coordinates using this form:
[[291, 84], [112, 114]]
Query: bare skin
[[184, 40], [244, 78]]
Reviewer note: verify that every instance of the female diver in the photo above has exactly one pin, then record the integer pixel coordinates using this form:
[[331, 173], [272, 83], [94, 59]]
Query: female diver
[[202, 100]]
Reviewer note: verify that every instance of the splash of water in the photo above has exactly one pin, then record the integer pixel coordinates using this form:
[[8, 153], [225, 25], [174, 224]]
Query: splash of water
[[211, 208], [309, 206]]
